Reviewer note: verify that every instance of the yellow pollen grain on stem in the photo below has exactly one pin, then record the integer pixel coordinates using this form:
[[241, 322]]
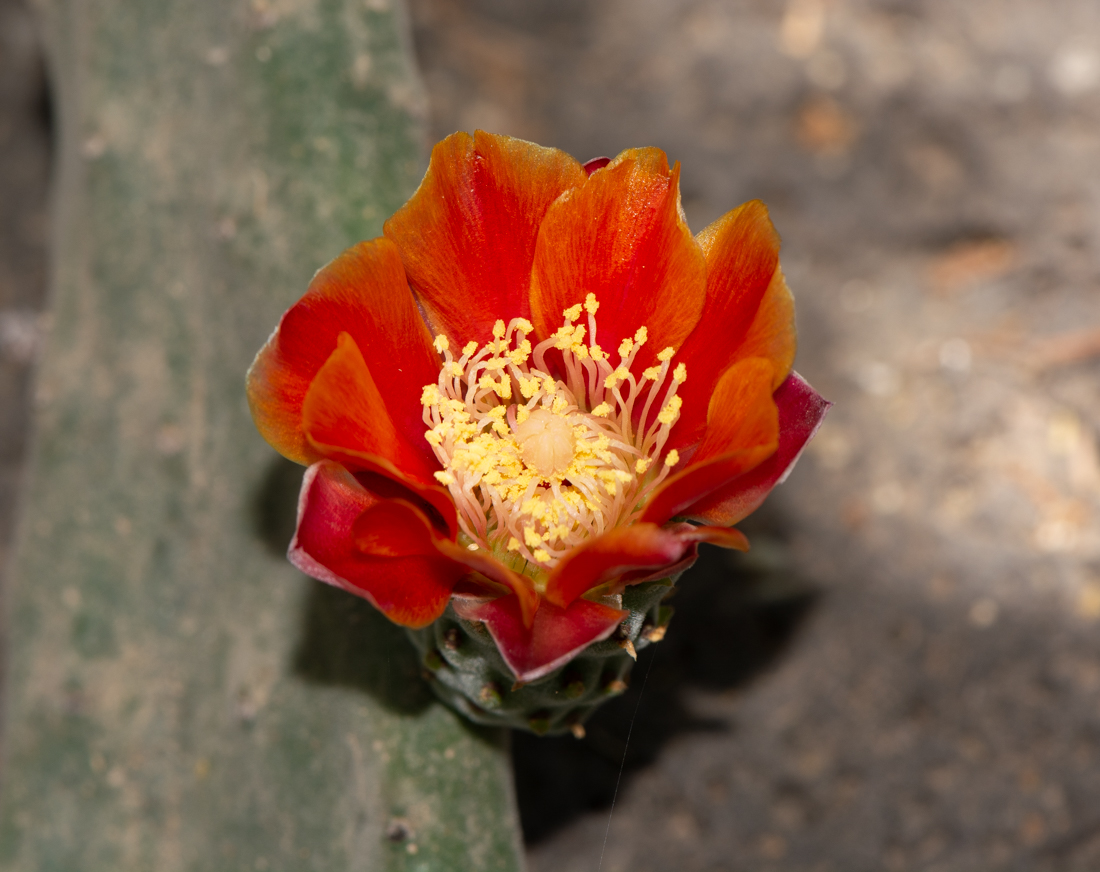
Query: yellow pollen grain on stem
[[642, 335], [572, 313], [670, 412], [469, 348], [672, 458], [441, 343], [591, 305], [542, 555], [602, 410], [444, 478], [621, 374], [651, 373], [666, 355], [625, 347], [524, 326], [499, 329], [643, 464], [680, 373], [430, 396]]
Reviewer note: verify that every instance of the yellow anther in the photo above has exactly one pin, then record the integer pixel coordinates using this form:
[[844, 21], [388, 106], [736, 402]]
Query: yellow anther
[[641, 335], [666, 355], [441, 343], [504, 388], [602, 410], [430, 395], [444, 478], [455, 369], [621, 374], [590, 304], [581, 351], [513, 543], [680, 373], [497, 413], [541, 555], [625, 347], [499, 329], [671, 411], [642, 465], [672, 458], [522, 414], [596, 352], [469, 348], [559, 405], [572, 313], [528, 386], [549, 386], [433, 437], [532, 538], [523, 325], [651, 373], [487, 383]]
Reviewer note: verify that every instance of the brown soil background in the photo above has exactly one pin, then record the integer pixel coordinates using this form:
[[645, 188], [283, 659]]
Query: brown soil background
[[905, 672]]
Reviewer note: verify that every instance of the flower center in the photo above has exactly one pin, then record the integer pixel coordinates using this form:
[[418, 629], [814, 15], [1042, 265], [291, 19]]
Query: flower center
[[538, 462], [546, 442]]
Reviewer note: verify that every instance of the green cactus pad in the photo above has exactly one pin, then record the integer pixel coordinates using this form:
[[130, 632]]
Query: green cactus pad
[[465, 669]]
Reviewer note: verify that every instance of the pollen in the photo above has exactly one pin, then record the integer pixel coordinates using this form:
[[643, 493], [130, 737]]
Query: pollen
[[539, 457]]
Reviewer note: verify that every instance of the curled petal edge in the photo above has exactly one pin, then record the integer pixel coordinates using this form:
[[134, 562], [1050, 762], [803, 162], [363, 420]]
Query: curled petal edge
[[556, 636]]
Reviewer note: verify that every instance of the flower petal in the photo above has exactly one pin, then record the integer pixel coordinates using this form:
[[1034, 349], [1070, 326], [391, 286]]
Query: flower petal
[[742, 431], [801, 411], [749, 312], [467, 236], [379, 548], [364, 293], [622, 236], [343, 413], [556, 636], [619, 551]]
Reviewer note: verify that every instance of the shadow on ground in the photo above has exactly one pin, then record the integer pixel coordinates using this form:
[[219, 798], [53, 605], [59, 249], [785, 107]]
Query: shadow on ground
[[735, 616]]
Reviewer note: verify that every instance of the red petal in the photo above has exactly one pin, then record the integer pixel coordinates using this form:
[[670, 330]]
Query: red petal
[[467, 236], [742, 431], [364, 293], [748, 312], [620, 551], [801, 411], [556, 636], [597, 163], [384, 550], [622, 237]]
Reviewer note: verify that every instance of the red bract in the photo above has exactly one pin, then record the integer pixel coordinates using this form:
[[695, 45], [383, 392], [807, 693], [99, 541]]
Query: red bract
[[535, 389]]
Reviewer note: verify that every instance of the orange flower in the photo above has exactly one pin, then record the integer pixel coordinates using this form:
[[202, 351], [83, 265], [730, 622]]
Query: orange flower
[[536, 388]]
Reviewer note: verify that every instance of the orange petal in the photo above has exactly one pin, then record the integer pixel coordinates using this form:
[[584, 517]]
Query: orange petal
[[801, 411], [742, 431], [467, 236], [363, 293], [344, 412], [620, 551], [622, 237], [748, 312], [384, 550]]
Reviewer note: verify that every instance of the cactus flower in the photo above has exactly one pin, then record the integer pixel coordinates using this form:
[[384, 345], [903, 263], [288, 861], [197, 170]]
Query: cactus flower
[[536, 389]]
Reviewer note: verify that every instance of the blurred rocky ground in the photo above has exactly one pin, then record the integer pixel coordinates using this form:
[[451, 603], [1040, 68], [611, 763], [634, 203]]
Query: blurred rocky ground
[[905, 672]]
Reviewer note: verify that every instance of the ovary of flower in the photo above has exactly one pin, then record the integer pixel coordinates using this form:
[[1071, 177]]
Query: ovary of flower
[[537, 464]]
